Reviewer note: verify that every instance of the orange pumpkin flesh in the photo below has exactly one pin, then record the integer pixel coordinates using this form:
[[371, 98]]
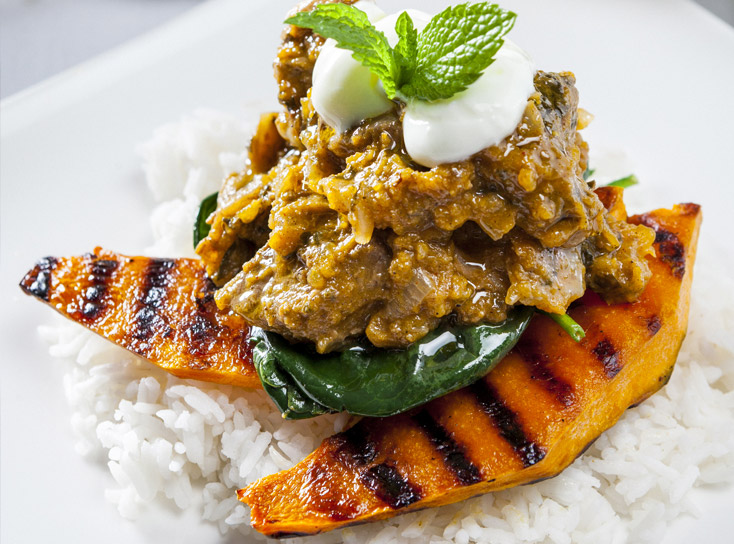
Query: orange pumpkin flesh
[[160, 309]]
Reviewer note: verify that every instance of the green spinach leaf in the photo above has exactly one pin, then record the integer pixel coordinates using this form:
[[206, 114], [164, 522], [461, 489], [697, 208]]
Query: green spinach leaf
[[280, 387], [201, 227], [381, 382]]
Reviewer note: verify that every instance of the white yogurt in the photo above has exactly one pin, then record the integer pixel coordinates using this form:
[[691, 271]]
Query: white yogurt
[[345, 93], [482, 115]]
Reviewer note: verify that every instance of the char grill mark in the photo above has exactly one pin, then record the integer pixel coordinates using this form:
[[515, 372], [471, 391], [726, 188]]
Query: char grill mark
[[608, 355], [201, 331], [38, 281], [355, 447], [101, 272], [540, 370], [452, 453], [389, 486], [669, 247], [671, 251], [200, 338], [653, 324], [506, 421], [148, 318]]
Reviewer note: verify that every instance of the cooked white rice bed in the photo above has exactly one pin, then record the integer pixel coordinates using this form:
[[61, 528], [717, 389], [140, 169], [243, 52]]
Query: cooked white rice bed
[[193, 443]]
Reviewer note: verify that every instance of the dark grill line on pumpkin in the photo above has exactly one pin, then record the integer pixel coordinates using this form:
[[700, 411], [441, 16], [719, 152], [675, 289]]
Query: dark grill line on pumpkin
[[38, 281], [201, 329], [354, 447], [448, 450], [207, 329], [95, 301], [607, 355], [506, 422], [390, 486], [541, 372], [669, 247], [149, 321]]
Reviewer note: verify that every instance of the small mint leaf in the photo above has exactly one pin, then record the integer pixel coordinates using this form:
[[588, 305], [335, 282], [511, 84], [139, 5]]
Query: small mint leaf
[[353, 31], [455, 48], [406, 49]]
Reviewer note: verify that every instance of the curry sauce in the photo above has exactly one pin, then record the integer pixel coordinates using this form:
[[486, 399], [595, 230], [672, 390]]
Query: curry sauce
[[329, 236]]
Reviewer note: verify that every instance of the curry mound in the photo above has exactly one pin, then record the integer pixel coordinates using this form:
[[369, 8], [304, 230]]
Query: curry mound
[[328, 236], [487, 436]]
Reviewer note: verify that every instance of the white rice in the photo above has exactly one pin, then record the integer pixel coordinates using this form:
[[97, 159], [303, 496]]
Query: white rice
[[193, 444]]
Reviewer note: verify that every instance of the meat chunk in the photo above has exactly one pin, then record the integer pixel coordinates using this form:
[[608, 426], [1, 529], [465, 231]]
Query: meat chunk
[[547, 278], [325, 291]]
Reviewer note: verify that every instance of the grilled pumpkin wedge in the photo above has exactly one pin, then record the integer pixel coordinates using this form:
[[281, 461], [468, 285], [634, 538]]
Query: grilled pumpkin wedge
[[160, 309], [527, 420]]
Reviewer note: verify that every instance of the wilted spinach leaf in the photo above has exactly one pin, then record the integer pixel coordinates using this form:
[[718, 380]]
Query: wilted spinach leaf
[[381, 382], [286, 395], [201, 227]]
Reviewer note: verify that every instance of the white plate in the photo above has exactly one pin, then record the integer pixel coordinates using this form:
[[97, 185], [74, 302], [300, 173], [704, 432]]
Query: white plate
[[657, 75]]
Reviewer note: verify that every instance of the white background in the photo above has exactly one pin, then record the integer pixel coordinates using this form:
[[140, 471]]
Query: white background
[[39, 38]]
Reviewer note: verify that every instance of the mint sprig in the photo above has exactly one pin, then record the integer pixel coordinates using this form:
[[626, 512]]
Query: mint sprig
[[450, 54], [352, 30], [406, 49], [455, 48]]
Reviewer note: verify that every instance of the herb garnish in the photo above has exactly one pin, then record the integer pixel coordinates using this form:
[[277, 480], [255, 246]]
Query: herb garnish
[[447, 56], [567, 323], [627, 181], [201, 227]]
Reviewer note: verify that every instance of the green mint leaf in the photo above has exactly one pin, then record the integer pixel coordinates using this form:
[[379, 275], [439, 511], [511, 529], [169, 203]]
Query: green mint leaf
[[445, 58], [568, 324], [455, 48], [353, 31], [407, 47], [625, 182]]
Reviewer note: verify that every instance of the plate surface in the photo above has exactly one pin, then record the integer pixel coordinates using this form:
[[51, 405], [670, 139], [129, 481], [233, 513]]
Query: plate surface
[[71, 180]]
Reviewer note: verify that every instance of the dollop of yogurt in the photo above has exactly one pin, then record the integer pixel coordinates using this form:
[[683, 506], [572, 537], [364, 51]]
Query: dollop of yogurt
[[481, 116], [345, 93]]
